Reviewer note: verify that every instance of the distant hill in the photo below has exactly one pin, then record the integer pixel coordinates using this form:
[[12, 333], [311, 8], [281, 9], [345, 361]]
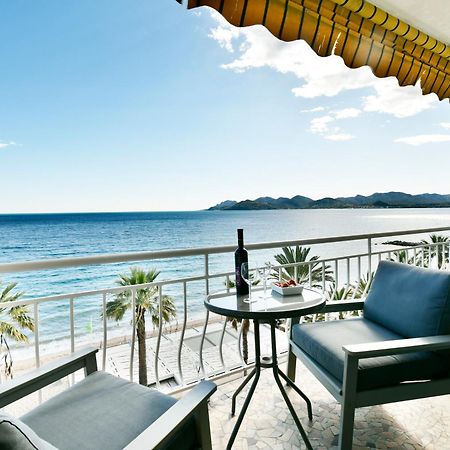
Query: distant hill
[[377, 200]]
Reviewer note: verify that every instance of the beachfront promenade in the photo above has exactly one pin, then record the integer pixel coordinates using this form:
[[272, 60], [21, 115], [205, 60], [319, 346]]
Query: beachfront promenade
[[118, 357]]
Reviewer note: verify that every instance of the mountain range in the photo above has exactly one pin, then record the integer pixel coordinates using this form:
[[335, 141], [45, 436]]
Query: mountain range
[[377, 200]]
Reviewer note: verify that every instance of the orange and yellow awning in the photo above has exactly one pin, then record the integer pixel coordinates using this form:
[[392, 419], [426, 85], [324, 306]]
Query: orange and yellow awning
[[358, 31]]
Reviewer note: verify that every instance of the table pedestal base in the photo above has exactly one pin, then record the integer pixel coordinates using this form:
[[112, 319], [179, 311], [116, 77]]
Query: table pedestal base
[[277, 373]]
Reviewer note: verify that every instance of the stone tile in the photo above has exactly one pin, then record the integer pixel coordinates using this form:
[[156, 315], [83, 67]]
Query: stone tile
[[420, 424]]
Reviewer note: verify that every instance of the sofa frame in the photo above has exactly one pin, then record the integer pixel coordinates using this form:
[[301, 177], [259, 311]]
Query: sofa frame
[[157, 435]]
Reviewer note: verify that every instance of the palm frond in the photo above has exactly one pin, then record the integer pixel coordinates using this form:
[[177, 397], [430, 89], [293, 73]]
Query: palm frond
[[6, 294], [116, 308], [9, 330], [438, 251], [147, 299], [15, 318], [300, 273], [19, 314]]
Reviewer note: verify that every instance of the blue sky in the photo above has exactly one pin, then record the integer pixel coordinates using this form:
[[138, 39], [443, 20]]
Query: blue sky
[[119, 106]]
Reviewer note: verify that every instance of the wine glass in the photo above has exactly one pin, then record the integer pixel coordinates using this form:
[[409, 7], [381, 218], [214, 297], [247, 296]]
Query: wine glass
[[249, 279], [268, 266]]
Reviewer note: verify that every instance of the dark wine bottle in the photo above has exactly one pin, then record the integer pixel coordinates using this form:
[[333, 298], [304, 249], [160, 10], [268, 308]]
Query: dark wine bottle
[[240, 257]]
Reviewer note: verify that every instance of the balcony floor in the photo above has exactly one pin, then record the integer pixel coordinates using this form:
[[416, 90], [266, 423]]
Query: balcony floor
[[418, 424]]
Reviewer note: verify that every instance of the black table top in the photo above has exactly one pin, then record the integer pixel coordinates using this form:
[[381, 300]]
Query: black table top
[[273, 306]]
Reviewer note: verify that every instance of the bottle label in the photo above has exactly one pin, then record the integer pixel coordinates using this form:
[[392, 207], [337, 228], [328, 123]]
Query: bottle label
[[238, 278]]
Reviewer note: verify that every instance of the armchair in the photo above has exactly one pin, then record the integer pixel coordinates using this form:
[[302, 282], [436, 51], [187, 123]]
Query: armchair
[[399, 350], [104, 411]]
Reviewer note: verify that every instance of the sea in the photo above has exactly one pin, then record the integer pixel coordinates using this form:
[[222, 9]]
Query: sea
[[27, 237]]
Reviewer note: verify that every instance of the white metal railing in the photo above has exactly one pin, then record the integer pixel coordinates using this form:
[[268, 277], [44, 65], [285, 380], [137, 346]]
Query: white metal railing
[[330, 274]]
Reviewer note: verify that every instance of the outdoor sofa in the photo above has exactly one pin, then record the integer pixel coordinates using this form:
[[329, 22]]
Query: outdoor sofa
[[399, 350], [103, 412]]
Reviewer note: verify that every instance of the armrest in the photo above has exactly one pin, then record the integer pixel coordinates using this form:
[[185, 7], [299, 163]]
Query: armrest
[[398, 346], [341, 306], [47, 374], [160, 431]]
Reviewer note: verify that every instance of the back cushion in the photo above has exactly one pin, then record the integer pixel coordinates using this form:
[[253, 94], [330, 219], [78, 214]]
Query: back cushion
[[15, 435], [410, 301]]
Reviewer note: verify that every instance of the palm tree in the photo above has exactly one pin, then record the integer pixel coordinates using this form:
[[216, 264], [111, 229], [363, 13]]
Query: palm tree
[[333, 293], [12, 321], [147, 301], [363, 285], [245, 329], [401, 256], [297, 255], [441, 250], [245, 322]]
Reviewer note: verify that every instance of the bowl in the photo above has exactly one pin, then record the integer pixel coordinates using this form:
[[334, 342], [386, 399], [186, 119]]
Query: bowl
[[290, 290]]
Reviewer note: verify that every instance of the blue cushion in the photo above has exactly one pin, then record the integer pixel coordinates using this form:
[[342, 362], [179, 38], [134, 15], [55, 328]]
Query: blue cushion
[[410, 301], [104, 412], [14, 435], [323, 342]]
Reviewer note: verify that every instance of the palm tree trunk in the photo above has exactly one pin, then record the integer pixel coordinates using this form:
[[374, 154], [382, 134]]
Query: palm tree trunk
[[245, 329], [142, 351]]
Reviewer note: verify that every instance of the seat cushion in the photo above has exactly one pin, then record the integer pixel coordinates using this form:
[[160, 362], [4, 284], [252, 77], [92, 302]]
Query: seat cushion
[[14, 435], [103, 412], [410, 301], [323, 342]]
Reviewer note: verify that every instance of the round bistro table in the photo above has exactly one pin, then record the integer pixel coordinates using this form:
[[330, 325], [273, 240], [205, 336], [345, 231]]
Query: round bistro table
[[267, 309]]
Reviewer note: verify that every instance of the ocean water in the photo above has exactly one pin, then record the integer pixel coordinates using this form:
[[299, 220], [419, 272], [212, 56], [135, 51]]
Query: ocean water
[[43, 236]]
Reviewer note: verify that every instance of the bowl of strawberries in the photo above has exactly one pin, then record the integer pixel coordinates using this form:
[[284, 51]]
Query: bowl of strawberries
[[289, 287]]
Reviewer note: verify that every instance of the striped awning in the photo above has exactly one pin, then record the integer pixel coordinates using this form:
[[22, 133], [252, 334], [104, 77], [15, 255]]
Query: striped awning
[[358, 31]]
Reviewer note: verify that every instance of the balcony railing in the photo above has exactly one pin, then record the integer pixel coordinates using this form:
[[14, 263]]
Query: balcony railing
[[345, 266]]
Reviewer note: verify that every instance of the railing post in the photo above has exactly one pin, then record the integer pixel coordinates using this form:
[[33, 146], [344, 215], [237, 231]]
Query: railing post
[[369, 255], [72, 326], [133, 332], [158, 340], [323, 277], [36, 335], [202, 341], [36, 343], [183, 330], [207, 273], [105, 331]]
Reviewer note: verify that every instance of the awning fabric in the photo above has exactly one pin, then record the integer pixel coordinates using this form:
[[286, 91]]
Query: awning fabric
[[361, 33]]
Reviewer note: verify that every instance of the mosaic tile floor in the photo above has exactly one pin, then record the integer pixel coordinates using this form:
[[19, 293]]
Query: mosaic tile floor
[[418, 424]]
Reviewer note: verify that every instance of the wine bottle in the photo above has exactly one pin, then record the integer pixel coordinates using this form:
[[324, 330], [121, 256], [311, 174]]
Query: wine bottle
[[240, 257]]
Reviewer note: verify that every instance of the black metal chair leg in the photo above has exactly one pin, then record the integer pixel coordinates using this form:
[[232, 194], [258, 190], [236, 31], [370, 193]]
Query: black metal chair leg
[[239, 389], [299, 392]]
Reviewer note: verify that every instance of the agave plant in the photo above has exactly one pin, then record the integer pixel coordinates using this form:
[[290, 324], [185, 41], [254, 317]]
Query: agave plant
[[300, 273], [12, 321], [147, 303]]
